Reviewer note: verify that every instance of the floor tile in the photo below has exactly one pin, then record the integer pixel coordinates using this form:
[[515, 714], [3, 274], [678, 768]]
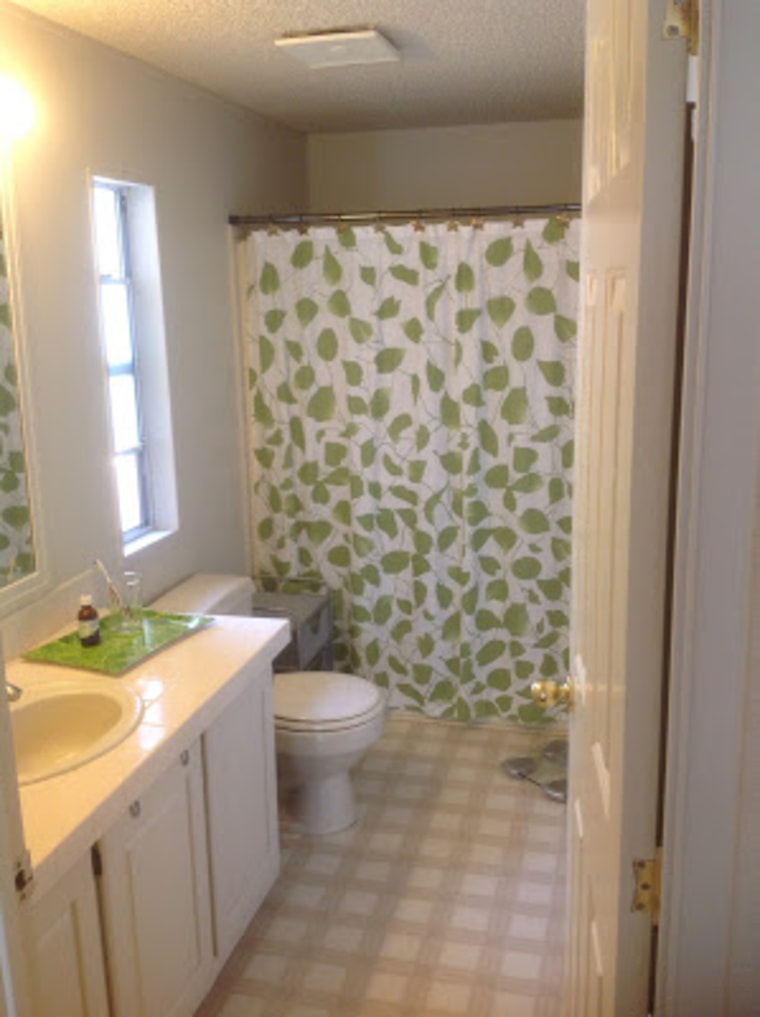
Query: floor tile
[[516, 964]]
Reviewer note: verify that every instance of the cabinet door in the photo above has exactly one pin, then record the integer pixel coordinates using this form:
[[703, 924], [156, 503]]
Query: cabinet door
[[241, 800], [155, 898], [66, 955]]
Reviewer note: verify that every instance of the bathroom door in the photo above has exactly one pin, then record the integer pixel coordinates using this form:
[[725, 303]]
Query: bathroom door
[[634, 126]]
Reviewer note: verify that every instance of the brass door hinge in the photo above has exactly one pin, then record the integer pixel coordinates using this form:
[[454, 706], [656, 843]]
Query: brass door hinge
[[646, 896], [682, 22], [23, 875]]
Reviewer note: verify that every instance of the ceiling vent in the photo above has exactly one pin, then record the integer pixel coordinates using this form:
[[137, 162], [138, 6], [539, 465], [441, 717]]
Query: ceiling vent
[[339, 49]]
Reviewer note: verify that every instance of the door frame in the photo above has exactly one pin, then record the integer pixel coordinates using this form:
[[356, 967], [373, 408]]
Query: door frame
[[717, 516], [14, 995]]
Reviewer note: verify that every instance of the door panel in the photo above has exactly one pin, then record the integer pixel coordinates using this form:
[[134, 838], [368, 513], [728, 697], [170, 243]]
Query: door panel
[[630, 264], [66, 954], [241, 801], [154, 896]]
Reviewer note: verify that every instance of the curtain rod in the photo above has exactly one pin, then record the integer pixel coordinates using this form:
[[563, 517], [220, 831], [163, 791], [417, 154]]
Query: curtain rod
[[296, 219]]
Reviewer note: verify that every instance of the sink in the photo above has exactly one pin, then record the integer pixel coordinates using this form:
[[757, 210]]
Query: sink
[[59, 724]]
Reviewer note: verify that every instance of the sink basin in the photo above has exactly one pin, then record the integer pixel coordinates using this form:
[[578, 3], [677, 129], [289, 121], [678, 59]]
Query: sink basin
[[60, 723]]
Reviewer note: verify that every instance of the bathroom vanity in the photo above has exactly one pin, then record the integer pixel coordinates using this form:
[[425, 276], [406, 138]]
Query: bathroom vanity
[[150, 861]]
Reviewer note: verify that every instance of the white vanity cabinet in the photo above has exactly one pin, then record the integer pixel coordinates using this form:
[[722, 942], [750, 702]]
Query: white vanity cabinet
[[241, 804], [155, 898], [181, 872], [67, 974]]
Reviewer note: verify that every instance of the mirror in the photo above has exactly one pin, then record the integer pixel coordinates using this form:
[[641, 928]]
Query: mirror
[[18, 559]]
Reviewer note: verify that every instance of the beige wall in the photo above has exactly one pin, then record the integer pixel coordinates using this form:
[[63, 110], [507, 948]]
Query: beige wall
[[444, 167], [102, 112]]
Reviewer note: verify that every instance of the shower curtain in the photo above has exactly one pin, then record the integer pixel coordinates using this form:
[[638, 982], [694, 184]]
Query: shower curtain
[[411, 433]]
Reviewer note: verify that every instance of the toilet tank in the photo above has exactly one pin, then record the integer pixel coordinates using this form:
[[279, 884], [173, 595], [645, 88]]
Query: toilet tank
[[310, 615], [207, 593]]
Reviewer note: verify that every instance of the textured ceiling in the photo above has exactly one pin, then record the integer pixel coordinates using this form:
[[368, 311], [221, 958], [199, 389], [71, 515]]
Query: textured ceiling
[[462, 61]]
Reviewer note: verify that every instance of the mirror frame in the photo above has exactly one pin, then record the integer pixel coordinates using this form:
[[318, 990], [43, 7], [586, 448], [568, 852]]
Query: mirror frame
[[27, 588]]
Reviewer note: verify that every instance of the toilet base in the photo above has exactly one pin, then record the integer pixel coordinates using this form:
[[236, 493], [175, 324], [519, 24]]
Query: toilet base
[[324, 806]]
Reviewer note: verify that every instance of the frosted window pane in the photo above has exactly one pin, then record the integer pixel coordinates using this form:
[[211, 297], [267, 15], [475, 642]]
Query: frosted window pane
[[107, 232], [115, 308], [128, 480], [126, 434]]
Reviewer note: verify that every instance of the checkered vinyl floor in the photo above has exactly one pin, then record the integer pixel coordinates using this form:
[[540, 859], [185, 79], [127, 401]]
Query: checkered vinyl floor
[[447, 898]]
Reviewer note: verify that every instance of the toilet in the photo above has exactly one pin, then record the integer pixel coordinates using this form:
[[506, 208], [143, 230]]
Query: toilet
[[324, 720]]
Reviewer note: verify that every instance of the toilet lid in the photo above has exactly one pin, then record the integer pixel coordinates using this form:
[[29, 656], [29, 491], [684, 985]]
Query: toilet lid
[[322, 698]]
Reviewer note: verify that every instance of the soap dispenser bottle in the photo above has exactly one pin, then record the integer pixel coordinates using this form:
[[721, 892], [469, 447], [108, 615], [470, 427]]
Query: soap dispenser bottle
[[88, 622]]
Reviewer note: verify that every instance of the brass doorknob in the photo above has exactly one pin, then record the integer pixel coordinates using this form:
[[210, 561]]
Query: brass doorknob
[[547, 693]]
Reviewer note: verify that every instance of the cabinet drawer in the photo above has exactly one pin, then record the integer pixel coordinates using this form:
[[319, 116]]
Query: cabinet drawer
[[311, 627], [314, 634]]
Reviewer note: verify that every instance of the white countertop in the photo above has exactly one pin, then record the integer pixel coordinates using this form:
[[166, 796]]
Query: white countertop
[[184, 688]]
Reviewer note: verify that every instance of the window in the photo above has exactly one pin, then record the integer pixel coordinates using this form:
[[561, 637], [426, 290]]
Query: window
[[131, 316], [112, 255]]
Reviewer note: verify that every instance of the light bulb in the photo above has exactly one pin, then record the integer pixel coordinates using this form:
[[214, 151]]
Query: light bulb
[[17, 112]]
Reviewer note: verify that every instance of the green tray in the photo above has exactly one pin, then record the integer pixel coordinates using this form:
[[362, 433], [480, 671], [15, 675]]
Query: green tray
[[120, 649]]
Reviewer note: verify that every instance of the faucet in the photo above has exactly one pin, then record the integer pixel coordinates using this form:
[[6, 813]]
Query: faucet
[[13, 692]]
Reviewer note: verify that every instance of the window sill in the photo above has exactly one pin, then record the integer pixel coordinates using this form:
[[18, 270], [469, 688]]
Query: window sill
[[145, 540]]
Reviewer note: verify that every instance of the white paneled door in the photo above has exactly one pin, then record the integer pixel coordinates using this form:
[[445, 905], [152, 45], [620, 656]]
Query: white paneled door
[[634, 127]]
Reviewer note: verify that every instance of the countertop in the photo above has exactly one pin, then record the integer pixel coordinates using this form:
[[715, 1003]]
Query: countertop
[[184, 688]]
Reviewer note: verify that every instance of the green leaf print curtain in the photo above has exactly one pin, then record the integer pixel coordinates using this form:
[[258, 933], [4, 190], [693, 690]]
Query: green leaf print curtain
[[411, 401]]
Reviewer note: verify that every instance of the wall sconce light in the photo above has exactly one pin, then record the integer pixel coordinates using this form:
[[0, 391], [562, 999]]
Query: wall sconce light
[[17, 113]]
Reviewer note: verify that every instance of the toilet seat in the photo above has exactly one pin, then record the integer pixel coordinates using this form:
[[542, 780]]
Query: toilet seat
[[324, 701]]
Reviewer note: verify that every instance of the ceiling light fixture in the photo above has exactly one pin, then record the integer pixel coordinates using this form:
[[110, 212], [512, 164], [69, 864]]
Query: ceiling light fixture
[[339, 49]]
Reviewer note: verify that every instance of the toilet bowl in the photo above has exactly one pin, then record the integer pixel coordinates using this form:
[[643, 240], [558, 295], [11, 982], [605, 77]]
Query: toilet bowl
[[324, 720], [324, 724]]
